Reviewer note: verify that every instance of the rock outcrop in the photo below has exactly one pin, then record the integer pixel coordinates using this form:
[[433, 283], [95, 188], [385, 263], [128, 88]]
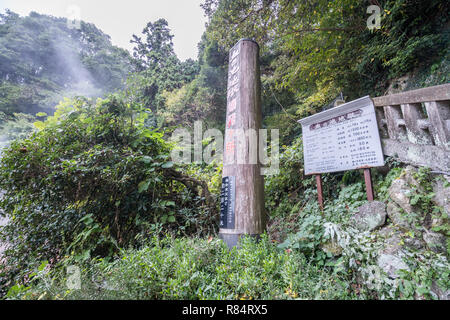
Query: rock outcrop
[[370, 216], [410, 227], [435, 241], [390, 256]]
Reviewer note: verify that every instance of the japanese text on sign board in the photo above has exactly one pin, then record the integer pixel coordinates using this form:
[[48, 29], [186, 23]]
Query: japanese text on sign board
[[342, 138], [227, 202]]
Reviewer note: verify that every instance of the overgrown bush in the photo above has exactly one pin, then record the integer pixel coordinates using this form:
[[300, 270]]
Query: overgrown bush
[[94, 179], [290, 191]]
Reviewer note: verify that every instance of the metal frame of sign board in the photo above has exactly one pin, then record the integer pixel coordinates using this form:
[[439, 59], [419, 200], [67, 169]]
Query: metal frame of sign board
[[328, 118]]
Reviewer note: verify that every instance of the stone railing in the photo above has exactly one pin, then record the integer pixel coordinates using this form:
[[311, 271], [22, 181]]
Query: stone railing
[[415, 126]]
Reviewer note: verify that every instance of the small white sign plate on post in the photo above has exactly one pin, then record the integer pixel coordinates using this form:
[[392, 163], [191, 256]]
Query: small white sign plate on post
[[342, 138]]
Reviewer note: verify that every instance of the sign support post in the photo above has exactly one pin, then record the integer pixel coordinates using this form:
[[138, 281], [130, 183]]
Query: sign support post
[[368, 182], [319, 190]]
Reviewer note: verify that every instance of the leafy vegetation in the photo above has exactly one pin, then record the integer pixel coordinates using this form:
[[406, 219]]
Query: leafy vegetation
[[196, 269], [92, 184], [17, 126], [42, 60], [324, 259], [95, 178], [158, 68]]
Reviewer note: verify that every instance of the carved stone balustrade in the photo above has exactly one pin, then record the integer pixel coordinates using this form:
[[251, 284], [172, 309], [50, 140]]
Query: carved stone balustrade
[[415, 126]]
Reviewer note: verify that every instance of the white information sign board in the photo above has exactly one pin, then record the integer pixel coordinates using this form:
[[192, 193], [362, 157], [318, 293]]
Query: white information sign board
[[342, 138]]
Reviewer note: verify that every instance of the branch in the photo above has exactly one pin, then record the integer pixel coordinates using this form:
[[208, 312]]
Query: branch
[[192, 183], [325, 29]]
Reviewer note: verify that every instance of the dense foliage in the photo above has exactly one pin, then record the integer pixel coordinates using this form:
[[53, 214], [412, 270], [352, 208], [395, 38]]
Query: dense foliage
[[196, 269], [158, 68], [42, 60], [95, 187], [15, 126], [322, 257], [311, 51], [319, 48], [94, 179]]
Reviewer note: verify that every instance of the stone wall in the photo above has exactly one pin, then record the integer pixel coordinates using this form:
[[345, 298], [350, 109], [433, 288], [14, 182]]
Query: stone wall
[[404, 227]]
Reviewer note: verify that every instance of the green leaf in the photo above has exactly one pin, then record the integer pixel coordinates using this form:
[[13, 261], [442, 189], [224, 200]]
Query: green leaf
[[415, 200], [168, 164], [43, 265], [171, 219], [146, 159], [39, 125], [168, 203], [143, 186], [284, 245]]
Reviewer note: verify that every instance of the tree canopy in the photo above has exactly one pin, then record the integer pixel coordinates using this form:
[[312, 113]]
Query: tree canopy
[[42, 60]]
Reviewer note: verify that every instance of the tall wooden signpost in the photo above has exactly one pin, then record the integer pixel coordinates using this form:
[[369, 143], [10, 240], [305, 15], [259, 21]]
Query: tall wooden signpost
[[342, 138], [242, 194]]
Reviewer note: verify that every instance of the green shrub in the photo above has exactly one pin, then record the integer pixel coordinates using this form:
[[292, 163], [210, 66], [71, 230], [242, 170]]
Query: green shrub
[[94, 179]]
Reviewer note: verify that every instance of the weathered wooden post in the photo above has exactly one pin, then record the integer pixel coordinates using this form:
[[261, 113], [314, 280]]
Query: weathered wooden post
[[319, 190], [368, 182], [242, 195]]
